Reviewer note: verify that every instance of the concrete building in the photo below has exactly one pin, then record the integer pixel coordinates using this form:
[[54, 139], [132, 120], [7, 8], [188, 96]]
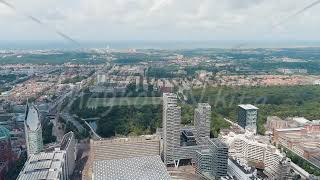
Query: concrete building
[[33, 130], [138, 168], [193, 138], [57, 162], [171, 127], [257, 153], [45, 166], [121, 148], [203, 161], [274, 122], [241, 171], [248, 116], [67, 146], [303, 141], [219, 151], [212, 163], [202, 120], [280, 168]]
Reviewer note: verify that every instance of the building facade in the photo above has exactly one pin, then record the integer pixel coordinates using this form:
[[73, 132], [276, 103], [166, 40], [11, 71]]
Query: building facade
[[258, 154], [45, 166], [219, 151], [203, 161], [241, 171], [171, 127], [138, 168], [202, 120], [248, 116], [121, 148], [33, 130], [67, 145], [181, 143], [212, 163]]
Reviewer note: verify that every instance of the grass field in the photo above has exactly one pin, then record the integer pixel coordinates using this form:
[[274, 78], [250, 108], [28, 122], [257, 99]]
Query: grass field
[[123, 101]]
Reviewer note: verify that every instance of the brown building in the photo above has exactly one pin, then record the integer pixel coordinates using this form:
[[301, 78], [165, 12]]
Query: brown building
[[304, 141]]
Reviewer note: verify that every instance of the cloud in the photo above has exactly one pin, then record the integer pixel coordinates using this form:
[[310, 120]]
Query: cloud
[[304, 9], [38, 21], [158, 4], [160, 19]]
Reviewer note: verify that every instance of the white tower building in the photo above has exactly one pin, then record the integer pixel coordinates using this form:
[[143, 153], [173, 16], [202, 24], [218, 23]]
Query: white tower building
[[171, 127]]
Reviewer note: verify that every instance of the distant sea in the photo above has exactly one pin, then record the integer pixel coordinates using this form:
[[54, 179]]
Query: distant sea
[[46, 45]]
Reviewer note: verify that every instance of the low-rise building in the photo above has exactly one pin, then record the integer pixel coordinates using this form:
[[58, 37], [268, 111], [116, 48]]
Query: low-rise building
[[241, 171], [304, 141], [256, 153], [138, 168], [120, 148], [45, 166]]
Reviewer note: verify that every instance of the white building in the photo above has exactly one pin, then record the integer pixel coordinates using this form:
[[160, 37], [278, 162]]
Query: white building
[[33, 130], [249, 150], [241, 171]]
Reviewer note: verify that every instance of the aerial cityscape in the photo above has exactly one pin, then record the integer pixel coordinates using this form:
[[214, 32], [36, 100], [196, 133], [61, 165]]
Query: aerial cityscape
[[176, 104]]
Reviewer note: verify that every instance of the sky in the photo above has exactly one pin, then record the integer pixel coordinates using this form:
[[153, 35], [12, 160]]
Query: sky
[[153, 20]]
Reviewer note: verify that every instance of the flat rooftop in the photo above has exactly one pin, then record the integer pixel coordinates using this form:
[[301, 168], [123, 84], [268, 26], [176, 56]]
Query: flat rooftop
[[248, 107], [43, 166], [290, 129], [218, 143], [245, 169], [140, 168]]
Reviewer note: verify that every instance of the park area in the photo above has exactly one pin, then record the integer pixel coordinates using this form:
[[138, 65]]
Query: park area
[[122, 101]]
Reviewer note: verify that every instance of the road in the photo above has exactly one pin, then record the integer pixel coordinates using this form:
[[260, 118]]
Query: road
[[234, 124], [69, 118]]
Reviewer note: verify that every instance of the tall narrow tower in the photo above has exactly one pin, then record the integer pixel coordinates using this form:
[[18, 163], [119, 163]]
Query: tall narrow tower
[[202, 119], [33, 130], [171, 127]]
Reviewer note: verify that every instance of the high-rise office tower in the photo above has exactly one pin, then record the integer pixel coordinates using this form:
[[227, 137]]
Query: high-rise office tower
[[219, 151], [171, 127], [248, 116], [212, 163], [33, 130], [202, 119]]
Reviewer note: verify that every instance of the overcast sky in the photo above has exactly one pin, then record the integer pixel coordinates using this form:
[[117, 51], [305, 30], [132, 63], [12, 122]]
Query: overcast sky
[[160, 20]]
